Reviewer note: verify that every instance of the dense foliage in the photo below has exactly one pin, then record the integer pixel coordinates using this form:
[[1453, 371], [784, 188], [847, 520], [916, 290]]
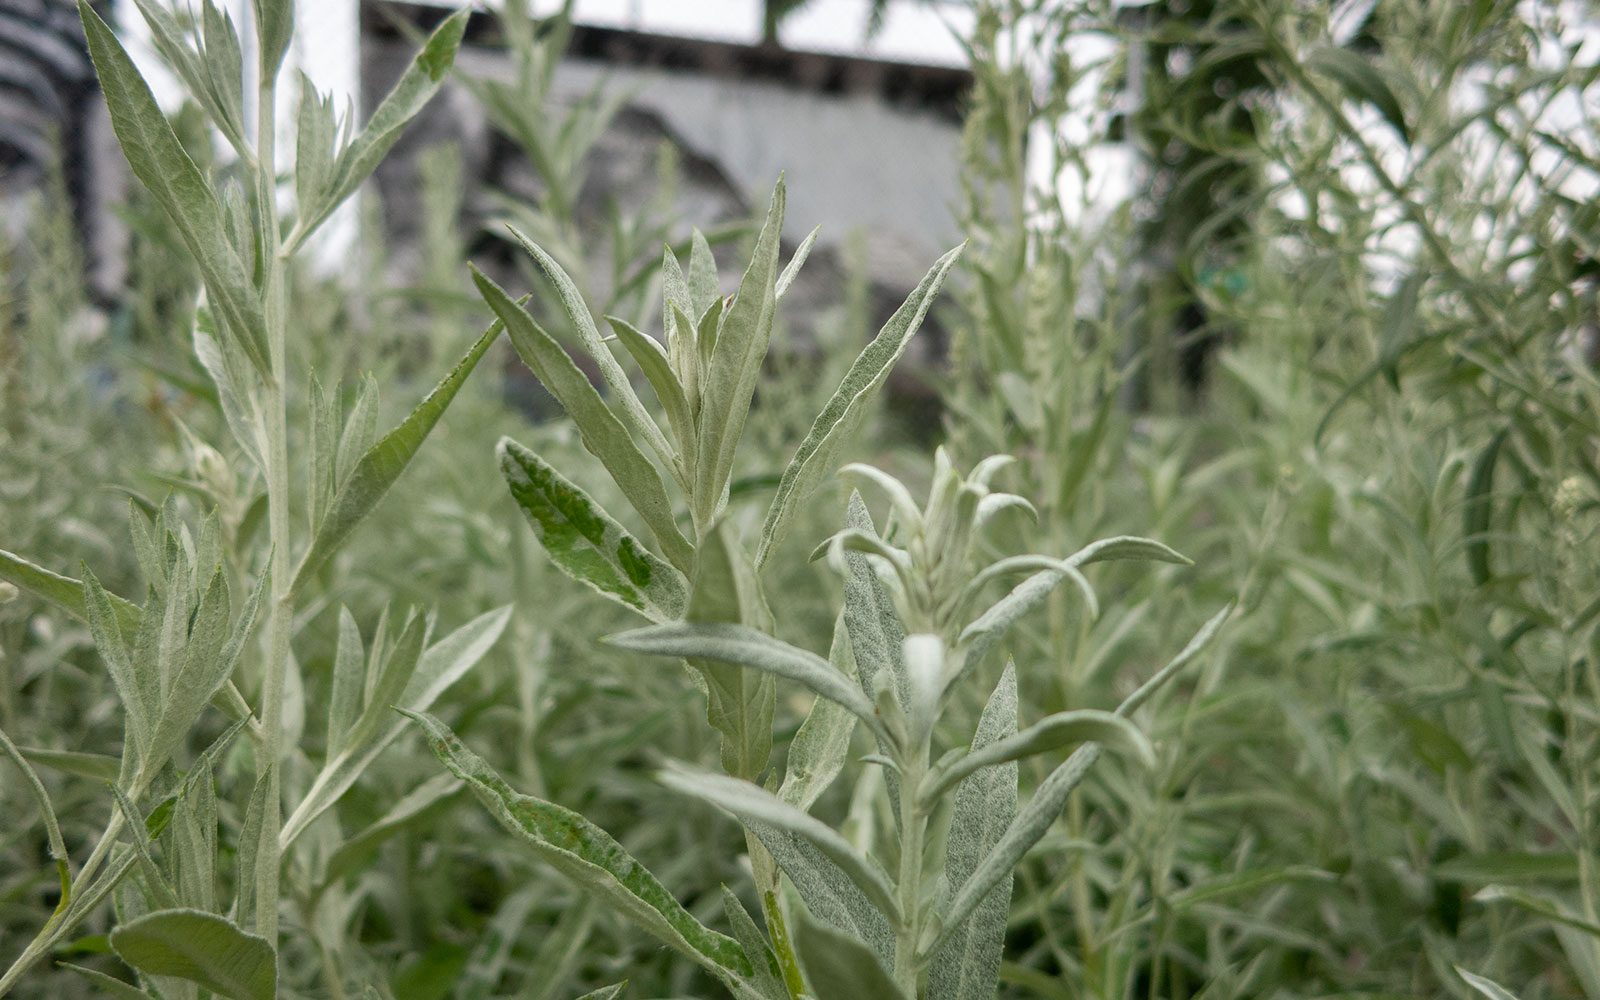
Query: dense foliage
[[1340, 351]]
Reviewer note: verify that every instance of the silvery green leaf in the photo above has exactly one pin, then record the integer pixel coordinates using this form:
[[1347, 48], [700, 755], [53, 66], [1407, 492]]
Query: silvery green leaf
[[657, 368], [209, 655], [605, 992], [155, 883], [1051, 733], [968, 966], [360, 430], [674, 291], [1127, 547], [838, 966], [224, 65], [796, 262], [874, 627], [344, 701], [1488, 987], [444, 663], [822, 744], [1030, 563], [900, 499], [137, 696], [704, 288], [729, 378], [752, 804], [107, 984], [194, 834], [589, 857], [202, 948], [1033, 821], [842, 415], [603, 434], [161, 164], [170, 40], [95, 766], [572, 302], [986, 630], [382, 464], [415, 88], [223, 361], [739, 644], [52, 829], [588, 544], [739, 701], [316, 137], [324, 429], [766, 975], [254, 848], [275, 28]]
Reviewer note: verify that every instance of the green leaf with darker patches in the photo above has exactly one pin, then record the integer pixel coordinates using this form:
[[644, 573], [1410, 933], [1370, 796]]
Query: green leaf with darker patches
[[603, 434], [588, 544], [588, 856]]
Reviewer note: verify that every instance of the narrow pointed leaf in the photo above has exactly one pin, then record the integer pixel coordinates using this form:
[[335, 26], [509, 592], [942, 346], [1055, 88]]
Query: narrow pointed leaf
[[274, 27], [740, 702], [203, 948], [1051, 733], [750, 802], [703, 285], [159, 161], [603, 434], [821, 746], [657, 368], [1127, 547], [1488, 987], [361, 846], [766, 975], [1362, 81], [416, 87], [588, 544], [111, 986], [444, 663], [728, 643], [792, 270], [735, 363], [838, 966], [968, 966], [578, 312], [842, 415], [384, 461], [588, 856]]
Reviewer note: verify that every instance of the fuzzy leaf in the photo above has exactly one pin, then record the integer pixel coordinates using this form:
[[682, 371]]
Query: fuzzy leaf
[[657, 367], [840, 967], [202, 948], [616, 378], [588, 544], [588, 856], [112, 986], [751, 803], [792, 269], [704, 289], [382, 464], [729, 643], [968, 966], [876, 634], [159, 161], [416, 88], [1051, 733], [603, 434], [1362, 81], [444, 663], [842, 415], [275, 28], [735, 363], [821, 746]]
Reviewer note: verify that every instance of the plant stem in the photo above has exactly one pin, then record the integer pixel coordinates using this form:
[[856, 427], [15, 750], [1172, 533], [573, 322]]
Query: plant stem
[[269, 856], [913, 833]]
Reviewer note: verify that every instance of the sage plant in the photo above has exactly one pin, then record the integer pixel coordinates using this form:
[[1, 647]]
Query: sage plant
[[903, 645], [158, 858]]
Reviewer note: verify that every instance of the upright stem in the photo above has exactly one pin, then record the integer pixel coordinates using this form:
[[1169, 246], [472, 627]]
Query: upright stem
[[913, 833], [275, 415]]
